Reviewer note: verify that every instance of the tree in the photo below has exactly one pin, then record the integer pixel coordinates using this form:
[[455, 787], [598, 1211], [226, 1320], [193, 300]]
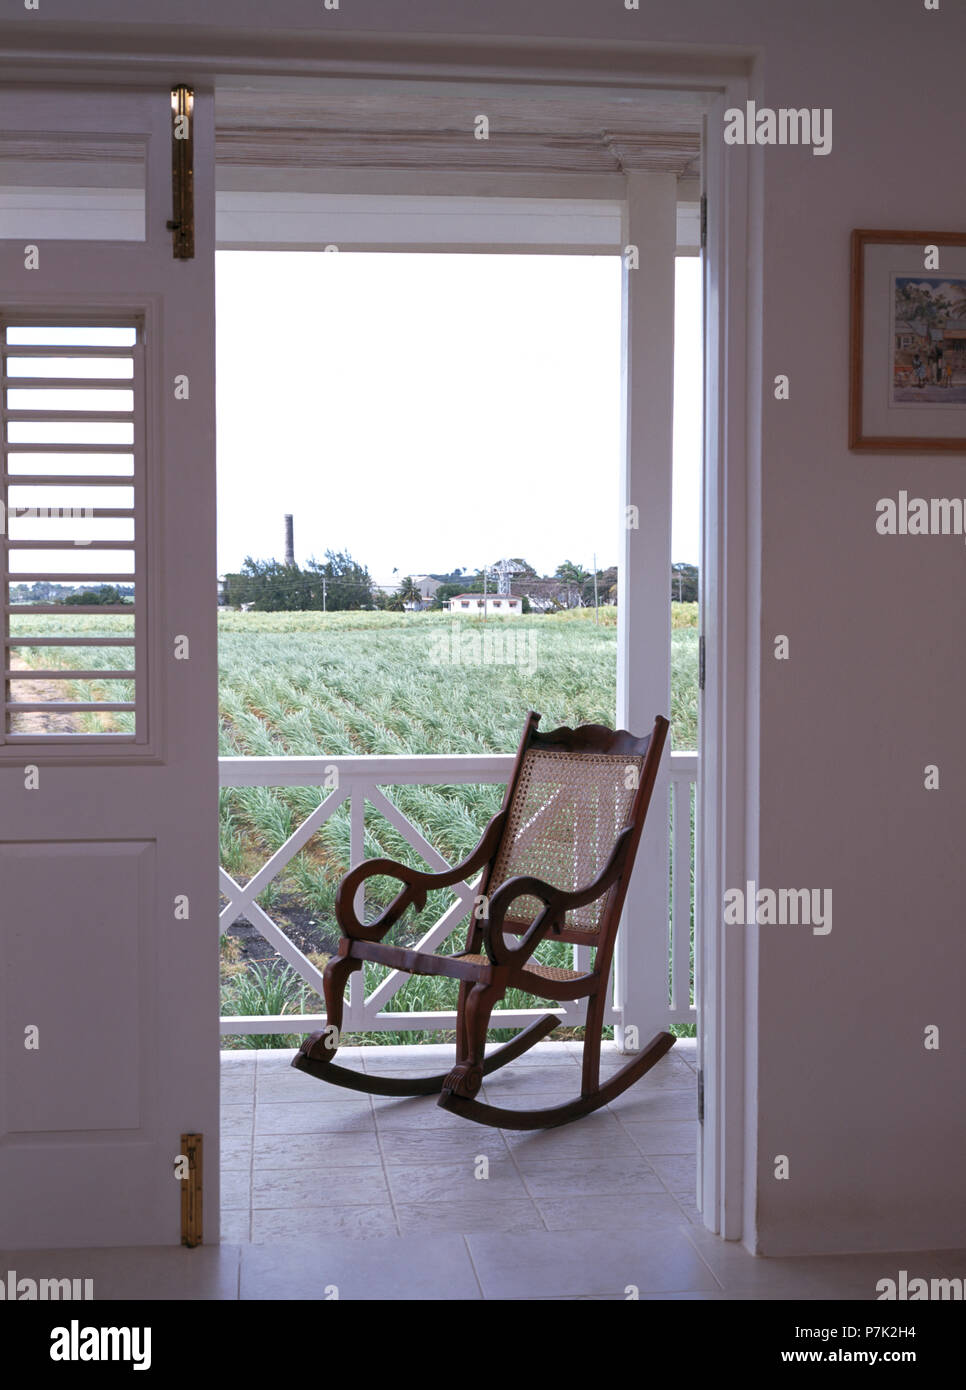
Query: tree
[[408, 592], [606, 587], [104, 595], [347, 584], [270, 587], [684, 583], [573, 577], [335, 583]]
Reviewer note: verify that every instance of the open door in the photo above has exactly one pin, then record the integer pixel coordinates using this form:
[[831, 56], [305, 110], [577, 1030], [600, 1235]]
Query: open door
[[108, 743]]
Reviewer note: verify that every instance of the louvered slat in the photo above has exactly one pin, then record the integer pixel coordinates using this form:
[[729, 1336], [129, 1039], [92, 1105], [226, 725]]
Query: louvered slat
[[44, 381]]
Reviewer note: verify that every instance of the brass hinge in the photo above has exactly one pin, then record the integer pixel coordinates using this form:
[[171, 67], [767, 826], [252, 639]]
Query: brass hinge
[[192, 1226], [701, 662], [704, 221], [182, 223]]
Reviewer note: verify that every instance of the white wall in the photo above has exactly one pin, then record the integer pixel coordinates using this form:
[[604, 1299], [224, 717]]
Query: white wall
[[873, 1125]]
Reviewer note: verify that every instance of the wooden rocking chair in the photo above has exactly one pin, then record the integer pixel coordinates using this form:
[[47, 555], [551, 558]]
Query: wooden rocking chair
[[556, 859]]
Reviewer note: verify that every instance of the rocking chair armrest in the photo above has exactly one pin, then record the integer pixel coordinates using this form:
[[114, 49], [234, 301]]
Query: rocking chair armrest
[[418, 883], [522, 886], [557, 904]]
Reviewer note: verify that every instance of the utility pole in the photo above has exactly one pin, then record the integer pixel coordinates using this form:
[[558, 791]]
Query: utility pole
[[289, 542], [596, 605]]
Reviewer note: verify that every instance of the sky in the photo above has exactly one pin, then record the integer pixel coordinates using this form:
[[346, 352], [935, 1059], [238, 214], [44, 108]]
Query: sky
[[432, 411]]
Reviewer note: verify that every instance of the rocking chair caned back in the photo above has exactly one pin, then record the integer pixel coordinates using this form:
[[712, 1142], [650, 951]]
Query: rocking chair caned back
[[566, 814], [571, 794]]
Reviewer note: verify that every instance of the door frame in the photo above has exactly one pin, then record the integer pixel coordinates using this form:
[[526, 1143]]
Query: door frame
[[731, 546], [726, 815]]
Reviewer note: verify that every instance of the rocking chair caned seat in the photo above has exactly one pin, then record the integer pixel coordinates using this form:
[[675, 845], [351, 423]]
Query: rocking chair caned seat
[[556, 860]]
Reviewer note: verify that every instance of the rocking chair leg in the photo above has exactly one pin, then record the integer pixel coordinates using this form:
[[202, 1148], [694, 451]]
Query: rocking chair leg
[[322, 1047], [590, 1055], [467, 1076]]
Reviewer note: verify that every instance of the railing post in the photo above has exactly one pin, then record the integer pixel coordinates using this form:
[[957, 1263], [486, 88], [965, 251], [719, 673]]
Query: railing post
[[355, 1011], [644, 610]]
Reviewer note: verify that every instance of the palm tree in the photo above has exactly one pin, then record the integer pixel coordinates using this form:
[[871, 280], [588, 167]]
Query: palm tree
[[408, 591], [575, 577], [571, 573]]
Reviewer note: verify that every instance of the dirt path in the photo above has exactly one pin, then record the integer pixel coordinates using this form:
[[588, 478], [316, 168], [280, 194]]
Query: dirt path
[[38, 721]]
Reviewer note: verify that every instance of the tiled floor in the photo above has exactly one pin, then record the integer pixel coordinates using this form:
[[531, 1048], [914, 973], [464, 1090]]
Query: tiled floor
[[302, 1158], [329, 1190]]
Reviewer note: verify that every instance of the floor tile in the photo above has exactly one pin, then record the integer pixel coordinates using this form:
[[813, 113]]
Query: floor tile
[[590, 1137], [420, 1058], [453, 1183], [665, 1137], [514, 1079], [421, 1112], [553, 1054], [285, 1225], [236, 1189], [325, 1186], [415, 1146], [236, 1151], [572, 1177], [568, 1263], [637, 1104], [643, 1211], [237, 1057], [237, 1084], [678, 1172], [236, 1226], [414, 1268], [358, 1148], [306, 1117], [480, 1214], [237, 1120]]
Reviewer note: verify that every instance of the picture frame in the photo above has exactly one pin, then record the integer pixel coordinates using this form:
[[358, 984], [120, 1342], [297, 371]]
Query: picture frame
[[907, 359]]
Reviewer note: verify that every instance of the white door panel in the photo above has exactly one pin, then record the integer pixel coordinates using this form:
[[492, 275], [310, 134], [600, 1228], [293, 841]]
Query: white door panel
[[108, 850]]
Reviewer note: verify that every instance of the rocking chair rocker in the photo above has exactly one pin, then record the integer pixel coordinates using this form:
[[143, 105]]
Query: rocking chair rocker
[[556, 860]]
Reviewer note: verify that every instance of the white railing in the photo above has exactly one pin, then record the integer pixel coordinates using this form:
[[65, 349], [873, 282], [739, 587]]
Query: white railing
[[356, 780]]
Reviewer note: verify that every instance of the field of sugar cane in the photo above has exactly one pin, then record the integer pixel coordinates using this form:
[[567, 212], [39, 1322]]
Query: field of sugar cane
[[379, 683]]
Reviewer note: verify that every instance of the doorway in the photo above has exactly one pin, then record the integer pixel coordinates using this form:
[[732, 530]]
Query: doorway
[[290, 220]]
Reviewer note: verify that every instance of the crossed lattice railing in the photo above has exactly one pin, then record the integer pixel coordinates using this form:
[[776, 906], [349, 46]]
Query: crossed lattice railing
[[360, 780]]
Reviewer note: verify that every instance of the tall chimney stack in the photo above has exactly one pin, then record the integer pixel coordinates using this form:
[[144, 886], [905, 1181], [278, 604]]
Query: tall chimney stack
[[289, 542]]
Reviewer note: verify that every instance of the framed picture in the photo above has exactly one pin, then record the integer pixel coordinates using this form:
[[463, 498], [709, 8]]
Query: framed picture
[[907, 377]]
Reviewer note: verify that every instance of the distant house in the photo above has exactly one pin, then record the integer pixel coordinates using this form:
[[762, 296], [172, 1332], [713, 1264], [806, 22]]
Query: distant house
[[492, 606], [426, 584]]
